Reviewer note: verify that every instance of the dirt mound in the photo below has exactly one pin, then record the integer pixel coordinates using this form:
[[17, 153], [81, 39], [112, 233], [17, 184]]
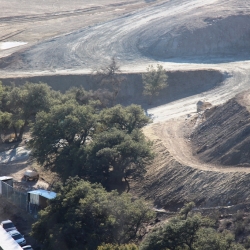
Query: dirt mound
[[228, 36], [224, 138], [169, 183]]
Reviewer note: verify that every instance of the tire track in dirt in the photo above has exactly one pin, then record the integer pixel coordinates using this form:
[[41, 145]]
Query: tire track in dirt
[[174, 134]]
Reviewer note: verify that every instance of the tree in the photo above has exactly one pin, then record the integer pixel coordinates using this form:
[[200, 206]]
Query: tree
[[194, 233], [127, 119], [5, 122], [110, 76], [84, 215], [175, 234], [1, 93], [114, 155], [209, 239], [22, 104], [154, 80], [73, 139], [83, 97], [186, 209], [59, 137]]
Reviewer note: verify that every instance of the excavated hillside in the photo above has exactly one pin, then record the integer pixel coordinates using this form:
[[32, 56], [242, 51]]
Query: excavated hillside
[[170, 183], [177, 175], [224, 138]]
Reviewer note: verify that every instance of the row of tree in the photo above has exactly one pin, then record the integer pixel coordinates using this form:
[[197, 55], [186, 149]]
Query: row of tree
[[20, 104]]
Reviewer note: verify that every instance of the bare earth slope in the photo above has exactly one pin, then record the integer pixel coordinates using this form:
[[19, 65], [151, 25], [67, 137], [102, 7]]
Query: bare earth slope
[[224, 138], [177, 176]]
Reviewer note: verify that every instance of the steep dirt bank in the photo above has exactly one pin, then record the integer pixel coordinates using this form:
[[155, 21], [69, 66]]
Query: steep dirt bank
[[224, 138], [169, 182], [181, 84], [210, 37]]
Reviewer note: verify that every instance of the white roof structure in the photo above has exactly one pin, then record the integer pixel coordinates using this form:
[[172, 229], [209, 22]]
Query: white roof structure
[[4, 178], [44, 193], [7, 242]]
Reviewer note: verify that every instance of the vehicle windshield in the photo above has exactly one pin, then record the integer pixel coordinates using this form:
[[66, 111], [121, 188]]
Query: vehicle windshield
[[8, 225], [17, 236]]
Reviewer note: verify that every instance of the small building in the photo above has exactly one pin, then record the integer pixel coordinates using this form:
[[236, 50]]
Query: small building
[[40, 197], [5, 179]]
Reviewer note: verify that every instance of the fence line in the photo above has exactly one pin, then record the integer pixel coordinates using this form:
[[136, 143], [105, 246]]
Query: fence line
[[18, 198]]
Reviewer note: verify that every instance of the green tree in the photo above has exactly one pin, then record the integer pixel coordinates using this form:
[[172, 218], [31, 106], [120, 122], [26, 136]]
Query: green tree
[[154, 80], [1, 93], [194, 233], [186, 209], [84, 215], [5, 123], [73, 139], [101, 97], [111, 77], [23, 103], [114, 155], [210, 239], [60, 136], [177, 234], [127, 119]]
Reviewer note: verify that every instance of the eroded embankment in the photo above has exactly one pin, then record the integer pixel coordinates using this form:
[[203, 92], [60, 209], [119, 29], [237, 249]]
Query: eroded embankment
[[212, 36], [224, 138], [169, 184], [181, 84]]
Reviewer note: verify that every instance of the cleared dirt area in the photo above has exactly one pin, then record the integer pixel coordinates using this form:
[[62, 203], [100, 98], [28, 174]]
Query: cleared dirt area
[[223, 138], [176, 176]]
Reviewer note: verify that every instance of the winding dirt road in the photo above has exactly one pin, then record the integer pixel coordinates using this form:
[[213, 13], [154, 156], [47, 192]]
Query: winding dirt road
[[174, 135]]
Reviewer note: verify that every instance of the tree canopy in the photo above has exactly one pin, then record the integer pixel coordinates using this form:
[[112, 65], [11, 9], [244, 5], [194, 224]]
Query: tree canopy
[[154, 80], [106, 146], [194, 233], [19, 105], [84, 216], [110, 77]]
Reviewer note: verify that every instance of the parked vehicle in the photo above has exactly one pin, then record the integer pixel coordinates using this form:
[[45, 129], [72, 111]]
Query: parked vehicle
[[8, 225], [31, 175], [28, 247], [17, 237]]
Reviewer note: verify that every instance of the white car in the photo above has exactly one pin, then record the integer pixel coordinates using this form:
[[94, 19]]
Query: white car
[[8, 225], [17, 237]]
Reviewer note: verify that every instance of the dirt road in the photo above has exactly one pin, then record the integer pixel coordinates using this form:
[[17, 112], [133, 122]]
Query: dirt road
[[175, 136]]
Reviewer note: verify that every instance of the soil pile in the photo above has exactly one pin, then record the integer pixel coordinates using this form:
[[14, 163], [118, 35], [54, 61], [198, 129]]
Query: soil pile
[[224, 138]]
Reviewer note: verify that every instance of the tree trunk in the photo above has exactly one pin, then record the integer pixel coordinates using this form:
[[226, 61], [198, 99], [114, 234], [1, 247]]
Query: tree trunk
[[20, 137], [125, 178], [15, 131]]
